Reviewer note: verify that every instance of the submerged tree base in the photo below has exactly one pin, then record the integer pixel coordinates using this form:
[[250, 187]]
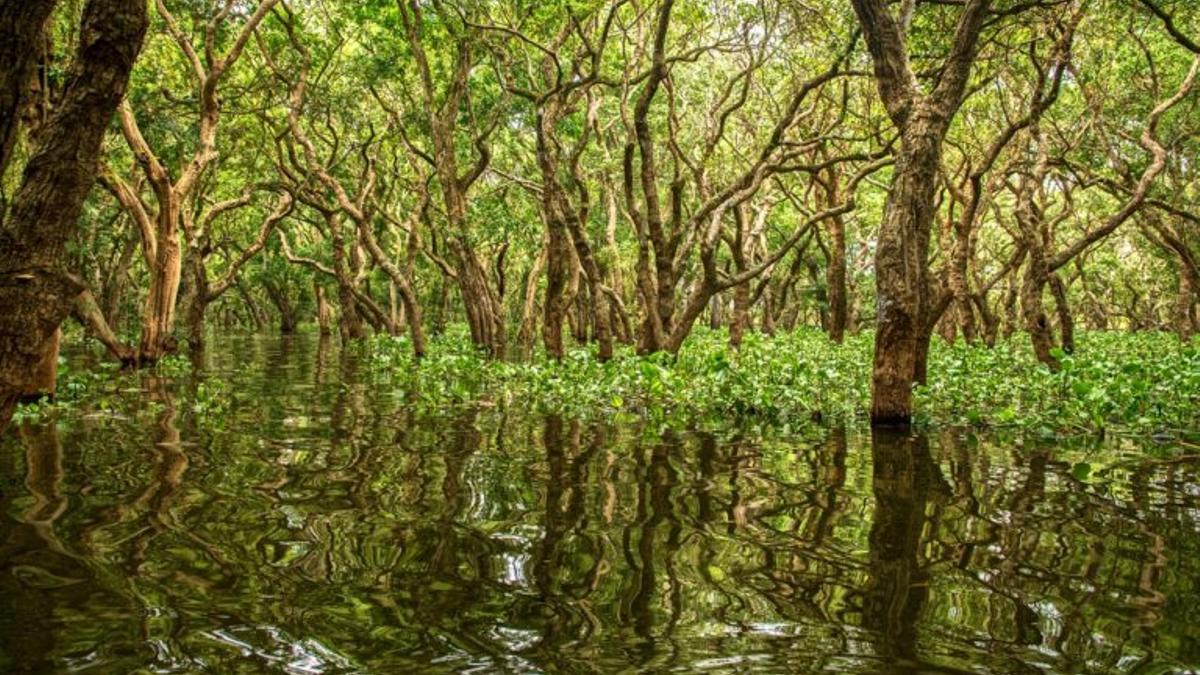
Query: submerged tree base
[[1140, 383], [281, 506]]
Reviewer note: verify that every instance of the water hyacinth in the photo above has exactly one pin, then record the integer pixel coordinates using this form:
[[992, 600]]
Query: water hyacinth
[[1144, 383]]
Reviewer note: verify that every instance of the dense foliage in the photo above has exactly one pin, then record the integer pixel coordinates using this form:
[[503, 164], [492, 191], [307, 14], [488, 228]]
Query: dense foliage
[[1144, 386], [592, 180]]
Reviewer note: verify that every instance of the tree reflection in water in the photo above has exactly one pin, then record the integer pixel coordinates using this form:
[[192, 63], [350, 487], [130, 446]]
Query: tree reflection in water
[[322, 521]]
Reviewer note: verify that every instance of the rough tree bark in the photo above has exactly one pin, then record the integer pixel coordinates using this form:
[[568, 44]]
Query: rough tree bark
[[203, 291], [22, 23], [903, 293], [481, 300], [163, 225], [35, 291]]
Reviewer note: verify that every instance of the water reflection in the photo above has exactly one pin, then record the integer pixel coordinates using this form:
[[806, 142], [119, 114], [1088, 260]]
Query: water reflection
[[317, 522]]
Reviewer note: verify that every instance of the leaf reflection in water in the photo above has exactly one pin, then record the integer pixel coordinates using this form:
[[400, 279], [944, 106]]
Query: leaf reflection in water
[[319, 524]]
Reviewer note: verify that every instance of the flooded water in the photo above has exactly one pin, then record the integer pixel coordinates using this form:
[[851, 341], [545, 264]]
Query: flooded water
[[287, 515]]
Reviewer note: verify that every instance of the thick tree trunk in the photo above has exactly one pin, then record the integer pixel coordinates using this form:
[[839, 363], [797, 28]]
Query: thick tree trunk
[[739, 321], [716, 312], [283, 305], [196, 309], [901, 276], [768, 312], [558, 272], [45, 373], [196, 300], [35, 291], [158, 318], [324, 311], [1011, 296], [601, 313], [350, 323], [1033, 309], [22, 25], [835, 268], [1066, 321], [532, 281], [902, 250], [961, 313], [484, 315], [989, 320], [1187, 319]]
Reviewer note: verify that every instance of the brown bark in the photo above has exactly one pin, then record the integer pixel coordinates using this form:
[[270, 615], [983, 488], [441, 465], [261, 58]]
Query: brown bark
[[482, 302], [401, 283], [22, 23], [739, 320], [1066, 321], [903, 289], [1174, 239], [532, 280], [1187, 317], [558, 270], [86, 311], [35, 290], [202, 291], [288, 321], [163, 226], [835, 267], [835, 280], [324, 311], [350, 323]]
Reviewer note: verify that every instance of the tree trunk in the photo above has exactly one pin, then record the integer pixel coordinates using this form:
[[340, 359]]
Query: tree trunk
[[22, 26], [835, 269], [1011, 296], [88, 313], [45, 373], [532, 280], [600, 311], [258, 315], [1066, 321], [961, 313], [739, 322], [1187, 319], [1034, 311], [195, 323], [283, 304], [484, 315], [158, 320], [902, 250], [716, 312], [35, 291], [324, 311], [196, 297], [901, 271], [558, 270], [350, 324]]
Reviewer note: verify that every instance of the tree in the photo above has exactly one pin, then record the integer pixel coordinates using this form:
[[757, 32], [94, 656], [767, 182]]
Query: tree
[[35, 288]]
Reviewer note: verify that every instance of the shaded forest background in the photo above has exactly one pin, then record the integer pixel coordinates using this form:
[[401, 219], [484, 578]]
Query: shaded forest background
[[600, 173]]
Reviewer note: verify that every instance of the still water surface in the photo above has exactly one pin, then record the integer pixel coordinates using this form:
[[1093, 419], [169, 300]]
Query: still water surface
[[282, 514]]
